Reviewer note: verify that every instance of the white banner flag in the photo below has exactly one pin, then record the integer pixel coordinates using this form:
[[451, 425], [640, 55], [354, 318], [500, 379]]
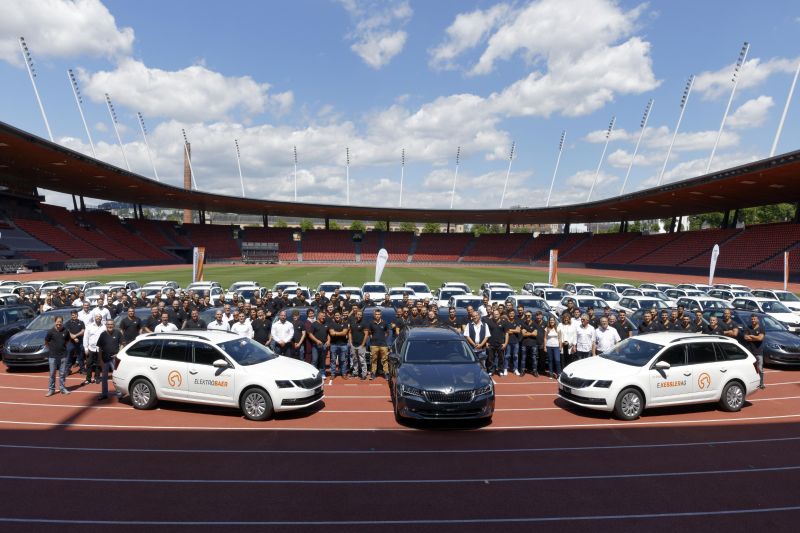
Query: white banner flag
[[714, 256], [552, 271], [383, 256], [198, 261]]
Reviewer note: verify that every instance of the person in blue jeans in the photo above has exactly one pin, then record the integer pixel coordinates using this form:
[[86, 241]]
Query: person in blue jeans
[[552, 344], [338, 331], [514, 337], [56, 340], [318, 334]]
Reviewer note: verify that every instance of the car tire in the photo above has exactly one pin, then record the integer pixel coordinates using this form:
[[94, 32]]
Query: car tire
[[732, 398], [143, 394], [629, 404], [256, 404]]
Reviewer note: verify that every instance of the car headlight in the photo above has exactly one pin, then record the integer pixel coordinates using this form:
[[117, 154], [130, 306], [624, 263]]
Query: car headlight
[[602, 384], [483, 391], [284, 384], [407, 390], [773, 346]]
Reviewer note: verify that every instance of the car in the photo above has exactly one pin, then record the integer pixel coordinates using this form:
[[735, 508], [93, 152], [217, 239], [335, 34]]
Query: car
[[732, 287], [530, 303], [650, 293], [45, 286], [616, 287], [728, 294], [235, 286], [678, 293], [664, 287], [398, 293], [632, 303], [13, 319], [457, 284], [329, 286], [789, 299], [611, 297], [292, 291], [421, 290], [435, 375], [9, 283], [462, 301], [27, 347], [206, 288], [661, 369], [703, 303], [780, 346], [581, 302], [376, 290], [355, 293], [214, 368], [281, 285], [129, 285], [93, 293], [498, 294], [142, 313], [494, 284], [773, 308], [443, 295], [573, 288], [529, 288], [248, 292], [159, 284], [551, 296], [19, 290], [81, 285]]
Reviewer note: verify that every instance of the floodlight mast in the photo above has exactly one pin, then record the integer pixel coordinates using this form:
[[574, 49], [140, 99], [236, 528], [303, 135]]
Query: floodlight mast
[[642, 127], [347, 170], [402, 173], [113, 114], [295, 173], [684, 100], [735, 80], [147, 144], [455, 177], [188, 157], [602, 156], [76, 92], [239, 164], [508, 172], [555, 171], [785, 111], [28, 60]]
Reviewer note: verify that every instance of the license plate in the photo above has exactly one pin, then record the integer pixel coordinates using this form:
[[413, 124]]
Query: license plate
[[318, 390], [566, 389]]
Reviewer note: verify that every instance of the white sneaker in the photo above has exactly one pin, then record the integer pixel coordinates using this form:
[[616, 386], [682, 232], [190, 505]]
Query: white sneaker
[[505, 372], [516, 372]]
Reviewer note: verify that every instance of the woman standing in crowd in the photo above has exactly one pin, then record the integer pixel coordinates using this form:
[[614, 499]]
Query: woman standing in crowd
[[553, 346]]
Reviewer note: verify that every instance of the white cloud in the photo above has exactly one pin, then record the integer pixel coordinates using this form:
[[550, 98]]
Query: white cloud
[[193, 93], [697, 167], [61, 28], [751, 114], [377, 35], [467, 31], [713, 84], [622, 159]]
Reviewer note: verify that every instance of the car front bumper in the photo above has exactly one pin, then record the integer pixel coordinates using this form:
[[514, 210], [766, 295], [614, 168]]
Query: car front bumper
[[590, 397], [422, 409], [14, 359], [298, 398]]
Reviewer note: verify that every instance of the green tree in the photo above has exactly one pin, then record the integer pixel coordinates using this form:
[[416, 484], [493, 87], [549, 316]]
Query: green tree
[[281, 223], [306, 224], [480, 229], [408, 226], [380, 225], [522, 229], [431, 227], [358, 225], [333, 225]]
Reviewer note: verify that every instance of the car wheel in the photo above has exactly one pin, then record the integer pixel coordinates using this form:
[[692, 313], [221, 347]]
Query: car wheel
[[629, 405], [143, 395], [256, 404], [732, 397]]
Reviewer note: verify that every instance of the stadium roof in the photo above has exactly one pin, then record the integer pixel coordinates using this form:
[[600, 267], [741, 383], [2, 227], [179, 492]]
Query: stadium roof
[[28, 161]]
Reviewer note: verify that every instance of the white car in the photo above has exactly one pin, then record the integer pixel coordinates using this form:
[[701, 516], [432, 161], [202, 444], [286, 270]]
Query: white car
[[495, 285], [732, 287], [573, 288], [633, 303], [656, 286], [292, 291], [789, 299], [617, 287], [773, 308], [551, 296], [462, 301], [421, 290], [611, 297], [457, 285], [214, 368], [668, 368], [329, 287], [650, 293], [355, 293], [281, 285], [443, 295], [398, 293], [206, 288], [528, 288], [82, 285], [377, 291], [237, 285], [581, 302], [498, 295], [704, 303]]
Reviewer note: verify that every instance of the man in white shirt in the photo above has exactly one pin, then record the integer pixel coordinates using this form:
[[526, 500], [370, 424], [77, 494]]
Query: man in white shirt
[[219, 323], [584, 338], [78, 302], [242, 327], [483, 309], [93, 331], [605, 337], [85, 314], [105, 313], [282, 333], [228, 316], [165, 326], [477, 334]]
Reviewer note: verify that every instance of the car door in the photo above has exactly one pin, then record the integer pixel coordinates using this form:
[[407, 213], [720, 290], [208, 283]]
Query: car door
[[207, 383], [170, 368], [707, 372], [673, 385]]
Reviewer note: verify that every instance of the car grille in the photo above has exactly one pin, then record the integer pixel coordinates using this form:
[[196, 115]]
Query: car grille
[[29, 348], [790, 349], [308, 383], [581, 399], [303, 401], [461, 396], [575, 383]]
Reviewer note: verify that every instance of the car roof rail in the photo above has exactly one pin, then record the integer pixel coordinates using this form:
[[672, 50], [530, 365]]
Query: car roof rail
[[699, 335]]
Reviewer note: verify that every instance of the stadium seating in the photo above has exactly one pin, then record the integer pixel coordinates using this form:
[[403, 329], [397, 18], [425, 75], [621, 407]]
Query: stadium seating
[[495, 247], [328, 245], [398, 244], [593, 249], [686, 246], [638, 248], [441, 246], [754, 245], [284, 237], [111, 227], [217, 239], [371, 242], [537, 248]]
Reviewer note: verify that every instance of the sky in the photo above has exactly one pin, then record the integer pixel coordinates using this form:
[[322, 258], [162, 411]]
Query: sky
[[427, 79]]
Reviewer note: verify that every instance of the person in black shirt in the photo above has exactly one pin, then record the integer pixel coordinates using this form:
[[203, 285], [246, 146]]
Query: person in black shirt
[[339, 332], [514, 329], [498, 340], [56, 340], [453, 321], [415, 319], [621, 325], [152, 321], [400, 321], [379, 351], [366, 302], [262, 328], [76, 328], [754, 338], [665, 324], [299, 300], [193, 323], [323, 300], [299, 335], [318, 334], [685, 325], [108, 345], [358, 344], [729, 327], [131, 326], [698, 325], [432, 319], [647, 325], [713, 327], [528, 347]]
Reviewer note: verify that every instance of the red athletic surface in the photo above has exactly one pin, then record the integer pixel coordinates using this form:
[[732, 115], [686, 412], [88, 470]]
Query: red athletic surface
[[349, 461]]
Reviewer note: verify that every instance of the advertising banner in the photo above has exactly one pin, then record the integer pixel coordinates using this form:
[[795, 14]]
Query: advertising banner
[[383, 256], [714, 256], [198, 261], [552, 271]]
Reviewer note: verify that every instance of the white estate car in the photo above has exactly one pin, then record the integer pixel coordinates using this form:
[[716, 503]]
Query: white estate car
[[660, 369], [376, 290], [421, 290], [214, 368]]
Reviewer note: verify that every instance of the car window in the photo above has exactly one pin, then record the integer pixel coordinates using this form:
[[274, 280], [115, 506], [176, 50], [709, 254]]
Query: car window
[[175, 350], [701, 353], [142, 348], [730, 351], [632, 351], [247, 352], [675, 356], [205, 354]]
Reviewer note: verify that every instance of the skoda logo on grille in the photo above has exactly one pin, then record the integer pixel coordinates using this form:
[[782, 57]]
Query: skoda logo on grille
[[449, 390]]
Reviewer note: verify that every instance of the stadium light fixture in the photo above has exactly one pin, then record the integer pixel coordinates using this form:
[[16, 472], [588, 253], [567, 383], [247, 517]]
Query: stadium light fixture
[[147, 144], [558, 160], [402, 174], [295, 173], [642, 127], [455, 177], [785, 111], [239, 164], [684, 100], [347, 170], [113, 114], [26, 57], [602, 156], [76, 92], [735, 79], [508, 172], [188, 157]]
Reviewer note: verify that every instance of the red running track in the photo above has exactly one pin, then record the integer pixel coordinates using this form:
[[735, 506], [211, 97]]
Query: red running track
[[70, 462]]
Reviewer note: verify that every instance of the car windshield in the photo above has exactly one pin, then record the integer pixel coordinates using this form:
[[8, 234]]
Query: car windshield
[[712, 304], [658, 304], [418, 287], [328, 287], [787, 297], [42, 322], [656, 294], [464, 302], [373, 288], [238, 284], [392, 292], [499, 294], [770, 324], [771, 306], [607, 295], [632, 351], [554, 295], [446, 294], [247, 352], [591, 302], [431, 352]]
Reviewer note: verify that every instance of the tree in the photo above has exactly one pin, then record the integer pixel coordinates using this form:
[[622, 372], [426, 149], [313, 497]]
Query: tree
[[380, 225], [333, 225], [480, 229], [358, 225], [306, 224], [408, 226], [281, 223], [522, 229], [431, 227]]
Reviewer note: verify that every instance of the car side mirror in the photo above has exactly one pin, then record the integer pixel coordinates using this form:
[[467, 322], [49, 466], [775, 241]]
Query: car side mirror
[[662, 365], [221, 363], [394, 358]]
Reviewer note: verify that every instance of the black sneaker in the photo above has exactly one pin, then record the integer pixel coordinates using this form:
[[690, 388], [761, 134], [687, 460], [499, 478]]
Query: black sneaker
[[102, 397], [386, 377], [536, 373], [371, 376]]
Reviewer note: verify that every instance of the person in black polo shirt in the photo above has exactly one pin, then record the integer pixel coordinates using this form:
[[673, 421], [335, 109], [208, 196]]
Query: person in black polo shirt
[[698, 326], [453, 321], [665, 324], [131, 326], [379, 351], [149, 325], [498, 340], [514, 328], [713, 327], [648, 325], [108, 346], [366, 302], [299, 335], [56, 340], [415, 319], [358, 344], [754, 338], [193, 323], [432, 319], [528, 347], [75, 328], [299, 299], [400, 321], [262, 329], [318, 334], [729, 327], [685, 325], [339, 332]]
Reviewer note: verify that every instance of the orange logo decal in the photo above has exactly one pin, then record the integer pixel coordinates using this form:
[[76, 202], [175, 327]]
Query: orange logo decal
[[174, 379], [704, 381]]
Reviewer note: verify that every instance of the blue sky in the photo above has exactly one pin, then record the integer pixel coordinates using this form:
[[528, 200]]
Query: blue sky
[[378, 77]]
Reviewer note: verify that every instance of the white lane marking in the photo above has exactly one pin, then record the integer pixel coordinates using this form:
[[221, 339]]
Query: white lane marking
[[415, 481], [420, 521], [401, 428], [37, 389], [73, 406], [772, 399], [558, 449]]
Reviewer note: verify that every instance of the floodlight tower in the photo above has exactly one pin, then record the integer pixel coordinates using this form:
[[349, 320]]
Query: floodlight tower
[[508, 172], [188, 157], [76, 92], [402, 173], [558, 160], [26, 56], [785, 110], [347, 170], [684, 99], [114, 122], [147, 144], [642, 126], [602, 156], [239, 164], [735, 79], [295, 173], [455, 177]]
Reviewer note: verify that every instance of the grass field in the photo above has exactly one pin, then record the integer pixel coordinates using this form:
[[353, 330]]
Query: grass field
[[393, 275]]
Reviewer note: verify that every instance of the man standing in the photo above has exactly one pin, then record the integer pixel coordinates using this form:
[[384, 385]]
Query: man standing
[[605, 337], [194, 322], [528, 348], [218, 323], [339, 332], [242, 326], [282, 334], [318, 335], [152, 321], [585, 338], [754, 337], [75, 328], [477, 334], [358, 344], [298, 335], [108, 344], [56, 340], [166, 326], [514, 331], [729, 327], [131, 326], [378, 334], [93, 331], [698, 326], [623, 328], [262, 329], [498, 340], [713, 327], [647, 325], [453, 321]]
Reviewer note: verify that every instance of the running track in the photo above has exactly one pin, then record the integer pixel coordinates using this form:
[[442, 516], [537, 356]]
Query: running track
[[71, 462]]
